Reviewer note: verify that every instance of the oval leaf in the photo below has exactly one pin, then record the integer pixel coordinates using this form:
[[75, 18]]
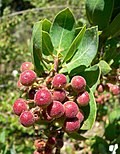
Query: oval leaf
[[47, 47], [46, 24], [75, 44], [99, 12], [114, 28], [36, 61], [62, 32], [114, 115], [104, 66], [86, 51], [37, 39], [76, 136], [89, 112], [92, 76]]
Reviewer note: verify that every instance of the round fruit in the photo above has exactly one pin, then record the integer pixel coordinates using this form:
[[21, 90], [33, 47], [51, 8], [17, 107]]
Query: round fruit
[[19, 85], [115, 90], [28, 77], [19, 106], [26, 66], [71, 125], [39, 144], [83, 98], [43, 98], [27, 118], [71, 109], [59, 95], [55, 109], [80, 116], [100, 88], [99, 100], [78, 83], [51, 141], [37, 152], [46, 116], [59, 81]]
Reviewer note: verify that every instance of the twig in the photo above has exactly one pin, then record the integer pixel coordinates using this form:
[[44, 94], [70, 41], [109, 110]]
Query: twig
[[33, 10], [37, 9]]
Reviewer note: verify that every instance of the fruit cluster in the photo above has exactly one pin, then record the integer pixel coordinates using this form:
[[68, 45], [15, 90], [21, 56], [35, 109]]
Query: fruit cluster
[[50, 99], [109, 88]]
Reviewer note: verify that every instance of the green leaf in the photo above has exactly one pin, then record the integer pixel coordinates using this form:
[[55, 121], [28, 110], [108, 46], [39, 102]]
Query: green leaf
[[86, 51], [114, 28], [92, 76], [90, 112], [46, 24], [112, 53], [114, 115], [2, 137], [37, 39], [104, 66], [36, 53], [76, 136], [73, 48], [99, 12], [47, 47], [62, 31]]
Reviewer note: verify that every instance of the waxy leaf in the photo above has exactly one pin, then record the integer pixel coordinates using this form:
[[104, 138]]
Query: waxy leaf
[[92, 76], [62, 31], [46, 24], [37, 39], [40, 47], [86, 51], [73, 48], [114, 115], [90, 112], [36, 61], [99, 12], [76, 136], [47, 47], [114, 28], [104, 66]]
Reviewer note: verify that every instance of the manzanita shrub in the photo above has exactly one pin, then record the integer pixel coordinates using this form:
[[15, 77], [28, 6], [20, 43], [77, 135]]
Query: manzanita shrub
[[58, 86]]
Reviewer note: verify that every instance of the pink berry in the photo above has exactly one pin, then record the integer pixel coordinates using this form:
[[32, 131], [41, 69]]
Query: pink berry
[[59, 95], [26, 66], [39, 144], [46, 116], [27, 118], [19, 85], [19, 106], [55, 109], [71, 109], [100, 88], [80, 116], [59, 81], [115, 90], [43, 98], [28, 77], [37, 152], [83, 98], [51, 141], [78, 83], [71, 125], [108, 86], [99, 100]]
